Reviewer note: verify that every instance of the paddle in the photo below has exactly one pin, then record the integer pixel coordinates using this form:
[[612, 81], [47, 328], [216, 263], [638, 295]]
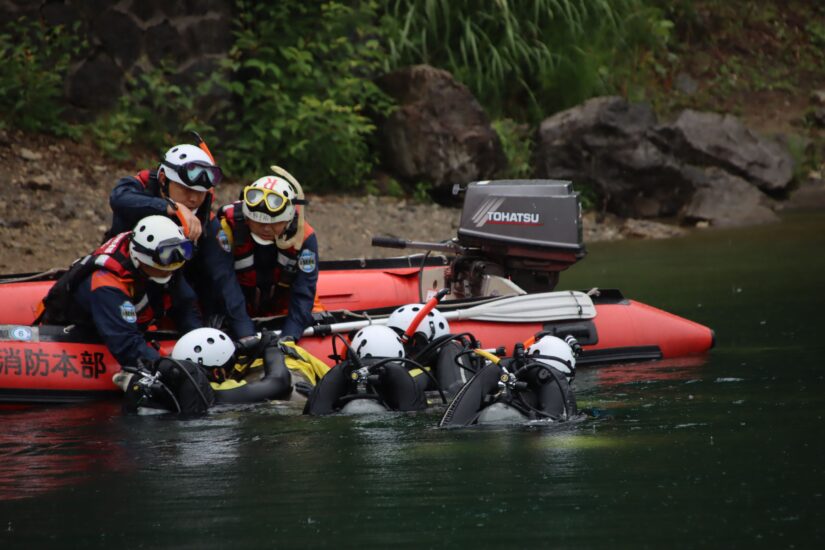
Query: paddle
[[527, 308]]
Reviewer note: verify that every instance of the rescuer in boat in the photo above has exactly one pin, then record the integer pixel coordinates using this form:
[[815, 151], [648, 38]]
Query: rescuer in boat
[[275, 251], [206, 369], [374, 377], [182, 188], [131, 282], [535, 384]]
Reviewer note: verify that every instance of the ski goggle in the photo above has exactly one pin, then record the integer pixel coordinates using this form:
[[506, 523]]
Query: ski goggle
[[170, 253], [267, 200], [197, 173]]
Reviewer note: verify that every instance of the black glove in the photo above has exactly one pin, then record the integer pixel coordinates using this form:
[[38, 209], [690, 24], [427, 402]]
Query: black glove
[[247, 345]]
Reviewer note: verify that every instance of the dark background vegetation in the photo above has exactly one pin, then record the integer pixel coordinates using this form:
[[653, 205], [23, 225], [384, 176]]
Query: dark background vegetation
[[299, 79]]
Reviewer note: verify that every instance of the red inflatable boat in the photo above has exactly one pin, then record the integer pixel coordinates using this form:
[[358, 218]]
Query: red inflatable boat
[[514, 239]]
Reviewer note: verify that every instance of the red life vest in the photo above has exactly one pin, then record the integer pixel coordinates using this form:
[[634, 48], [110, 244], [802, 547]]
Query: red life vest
[[111, 257], [265, 299]]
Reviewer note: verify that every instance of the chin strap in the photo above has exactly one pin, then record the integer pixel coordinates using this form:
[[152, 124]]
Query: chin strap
[[289, 239]]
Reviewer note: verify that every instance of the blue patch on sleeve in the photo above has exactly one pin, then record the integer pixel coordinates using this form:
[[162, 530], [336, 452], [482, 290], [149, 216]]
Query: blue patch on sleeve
[[223, 240], [306, 261], [128, 312]]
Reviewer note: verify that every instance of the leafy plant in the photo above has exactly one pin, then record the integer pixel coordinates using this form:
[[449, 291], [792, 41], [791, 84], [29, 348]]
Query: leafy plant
[[421, 192], [35, 61], [518, 148], [589, 196], [153, 113], [521, 58], [300, 75], [805, 154]]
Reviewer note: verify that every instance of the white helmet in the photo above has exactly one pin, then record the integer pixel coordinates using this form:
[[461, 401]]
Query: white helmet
[[377, 341], [159, 242], [269, 199], [208, 347], [190, 166], [432, 326], [554, 352]]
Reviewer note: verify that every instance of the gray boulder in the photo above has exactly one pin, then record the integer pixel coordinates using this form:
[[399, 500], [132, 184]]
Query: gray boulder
[[165, 43], [711, 139], [702, 167], [725, 200], [809, 196], [439, 133], [95, 83], [120, 36], [604, 143]]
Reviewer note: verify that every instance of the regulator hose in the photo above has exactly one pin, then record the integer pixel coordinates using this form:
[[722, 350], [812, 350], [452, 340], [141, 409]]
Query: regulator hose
[[416, 365]]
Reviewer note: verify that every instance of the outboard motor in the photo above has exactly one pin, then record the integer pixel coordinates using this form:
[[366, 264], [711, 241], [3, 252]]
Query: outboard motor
[[522, 231], [529, 230]]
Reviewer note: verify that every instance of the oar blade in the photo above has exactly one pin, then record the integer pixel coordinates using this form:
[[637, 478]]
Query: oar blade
[[529, 308]]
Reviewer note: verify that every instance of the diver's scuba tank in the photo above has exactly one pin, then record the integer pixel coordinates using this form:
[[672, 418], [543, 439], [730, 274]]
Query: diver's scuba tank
[[533, 384], [167, 385], [373, 378]]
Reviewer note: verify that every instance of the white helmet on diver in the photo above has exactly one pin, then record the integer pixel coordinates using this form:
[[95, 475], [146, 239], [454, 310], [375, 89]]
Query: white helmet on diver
[[191, 167], [377, 341], [208, 347], [159, 242], [433, 326], [554, 352]]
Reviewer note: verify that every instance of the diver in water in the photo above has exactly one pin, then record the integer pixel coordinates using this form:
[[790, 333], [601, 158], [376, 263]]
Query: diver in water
[[375, 376], [391, 367], [535, 384], [206, 368], [428, 341]]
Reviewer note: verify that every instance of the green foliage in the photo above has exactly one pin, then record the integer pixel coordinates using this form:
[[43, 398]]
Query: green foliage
[[421, 192], [523, 58], [35, 59], [806, 155], [301, 79], [297, 88], [153, 113], [739, 47], [588, 195], [518, 148], [816, 29]]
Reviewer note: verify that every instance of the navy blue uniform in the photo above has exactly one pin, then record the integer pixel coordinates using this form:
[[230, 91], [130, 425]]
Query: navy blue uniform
[[212, 277], [109, 304], [274, 281], [134, 198], [302, 296]]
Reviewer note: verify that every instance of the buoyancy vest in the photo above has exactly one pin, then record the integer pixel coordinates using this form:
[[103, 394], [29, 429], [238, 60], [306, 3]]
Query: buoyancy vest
[[59, 307], [150, 182], [265, 279]]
